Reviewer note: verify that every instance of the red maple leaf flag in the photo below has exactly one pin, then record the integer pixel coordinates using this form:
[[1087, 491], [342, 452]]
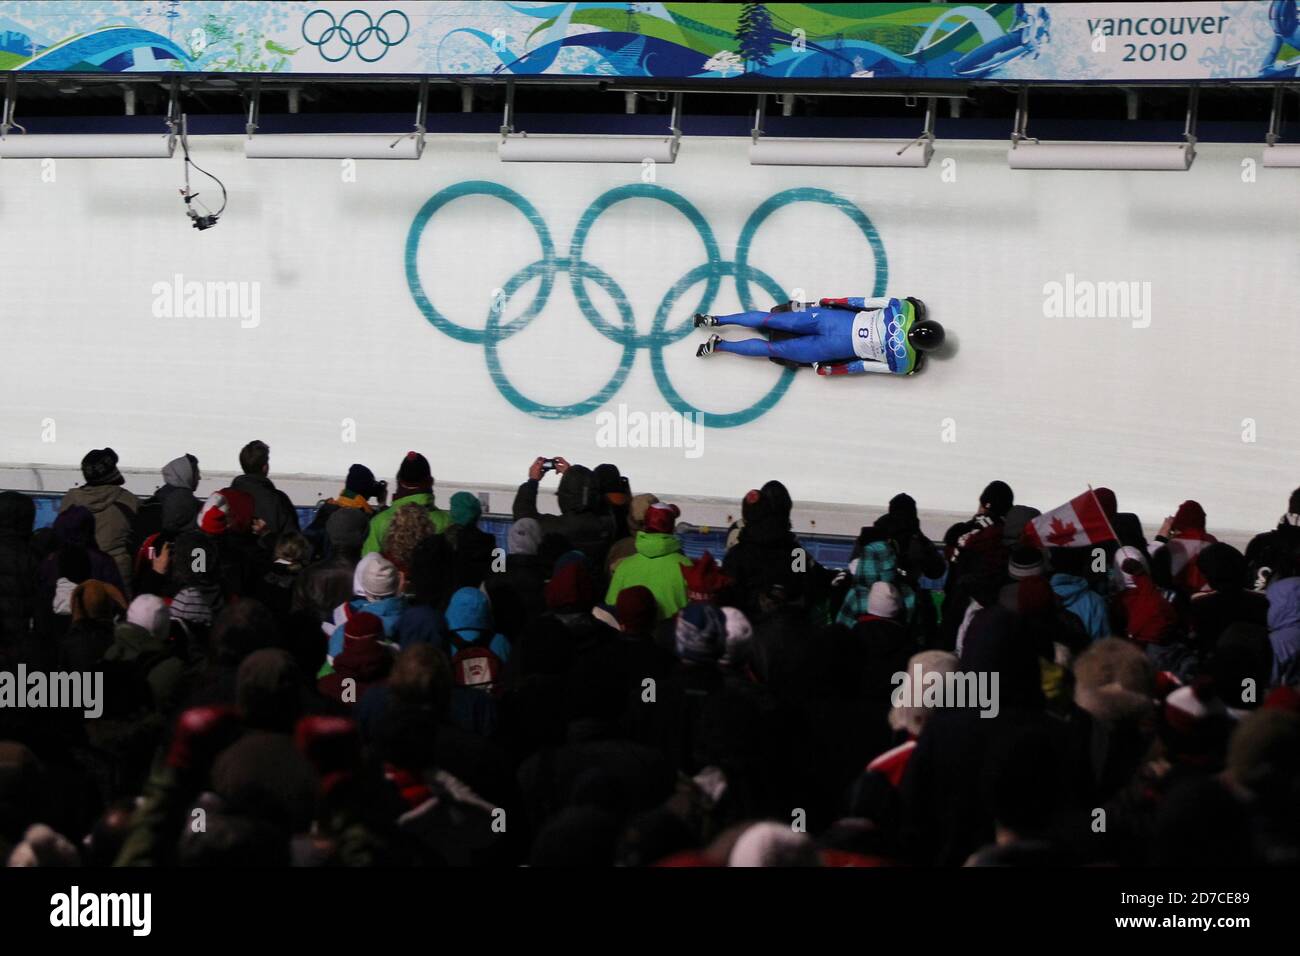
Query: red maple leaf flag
[[1078, 522]]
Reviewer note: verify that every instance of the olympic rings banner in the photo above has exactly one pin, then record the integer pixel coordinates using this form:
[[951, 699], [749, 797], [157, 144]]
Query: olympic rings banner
[[1249, 39]]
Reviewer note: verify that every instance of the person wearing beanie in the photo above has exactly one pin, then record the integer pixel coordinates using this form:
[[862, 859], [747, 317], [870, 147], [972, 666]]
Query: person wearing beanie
[[637, 612], [524, 537], [625, 546], [1013, 523], [363, 662], [95, 608], [705, 580], [359, 487], [142, 657], [112, 505], [1275, 554], [1184, 536], [472, 546], [657, 564], [414, 487], [585, 519], [227, 511], [1024, 561], [908, 719], [760, 562], [377, 589], [518, 593], [700, 636], [877, 563]]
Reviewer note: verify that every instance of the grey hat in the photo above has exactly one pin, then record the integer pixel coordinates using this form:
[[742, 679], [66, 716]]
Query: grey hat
[[525, 536]]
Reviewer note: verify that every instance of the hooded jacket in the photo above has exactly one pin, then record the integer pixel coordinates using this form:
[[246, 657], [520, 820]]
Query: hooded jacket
[[877, 563], [579, 520], [114, 509], [17, 567], [657, 565], [380, 522], [1284, 629], [469, 617], [173, 507], [1086, 604]]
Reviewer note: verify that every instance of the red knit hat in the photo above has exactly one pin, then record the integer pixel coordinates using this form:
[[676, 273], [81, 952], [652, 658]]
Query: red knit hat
[[571, 588], [704, 579], [661, 518], [636, 610], [363, 626], [1190, 516], [227, 510]]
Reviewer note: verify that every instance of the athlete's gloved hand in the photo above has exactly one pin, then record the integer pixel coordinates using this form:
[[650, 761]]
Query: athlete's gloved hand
[[840, 303]]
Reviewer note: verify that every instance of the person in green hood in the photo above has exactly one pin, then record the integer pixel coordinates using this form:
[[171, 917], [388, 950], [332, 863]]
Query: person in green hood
[[657, 564], [414, 487]]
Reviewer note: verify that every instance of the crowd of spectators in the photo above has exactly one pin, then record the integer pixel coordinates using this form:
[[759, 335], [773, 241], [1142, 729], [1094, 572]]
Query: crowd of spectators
[[386, 686]]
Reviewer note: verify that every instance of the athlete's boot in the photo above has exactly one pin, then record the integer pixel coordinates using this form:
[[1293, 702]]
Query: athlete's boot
[[703, 319], [708, 347]]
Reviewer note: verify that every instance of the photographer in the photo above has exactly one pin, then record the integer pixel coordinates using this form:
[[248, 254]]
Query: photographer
[[588, 527]]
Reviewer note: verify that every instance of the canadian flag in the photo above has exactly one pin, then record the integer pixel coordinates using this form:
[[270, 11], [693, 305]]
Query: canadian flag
[[1078, 522]]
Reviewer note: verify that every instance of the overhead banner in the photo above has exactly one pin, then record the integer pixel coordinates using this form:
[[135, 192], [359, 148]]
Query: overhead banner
[[1074, 42]]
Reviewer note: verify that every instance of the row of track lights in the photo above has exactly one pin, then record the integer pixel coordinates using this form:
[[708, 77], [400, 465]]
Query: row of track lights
[[1025, 152]]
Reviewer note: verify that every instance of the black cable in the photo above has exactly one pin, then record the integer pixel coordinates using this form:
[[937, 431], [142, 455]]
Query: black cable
[[210, 219]]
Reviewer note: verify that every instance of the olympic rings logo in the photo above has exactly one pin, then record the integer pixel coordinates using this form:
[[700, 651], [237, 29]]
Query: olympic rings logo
[[623, 331], [370, 41], [894, 336]]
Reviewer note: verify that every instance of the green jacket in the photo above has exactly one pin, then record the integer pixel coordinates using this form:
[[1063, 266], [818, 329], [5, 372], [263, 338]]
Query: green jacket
[[657, 565], [380, 522]]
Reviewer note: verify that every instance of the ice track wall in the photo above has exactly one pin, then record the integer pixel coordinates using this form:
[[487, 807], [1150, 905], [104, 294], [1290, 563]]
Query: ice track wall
[[375, 331]]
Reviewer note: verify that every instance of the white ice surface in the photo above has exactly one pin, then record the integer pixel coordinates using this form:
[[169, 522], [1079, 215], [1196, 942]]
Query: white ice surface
[[1050, 405]]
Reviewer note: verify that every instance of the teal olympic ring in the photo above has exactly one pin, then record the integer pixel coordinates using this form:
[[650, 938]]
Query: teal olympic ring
[[623, 331]]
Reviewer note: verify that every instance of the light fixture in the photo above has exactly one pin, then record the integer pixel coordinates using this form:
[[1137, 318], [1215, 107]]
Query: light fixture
[[81, 145], [775, 151], [335, 145], [1279, 155], [523, 148], [1028, 153]]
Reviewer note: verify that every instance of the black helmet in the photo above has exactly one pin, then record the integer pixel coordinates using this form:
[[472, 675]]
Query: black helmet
[[925, 336]]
